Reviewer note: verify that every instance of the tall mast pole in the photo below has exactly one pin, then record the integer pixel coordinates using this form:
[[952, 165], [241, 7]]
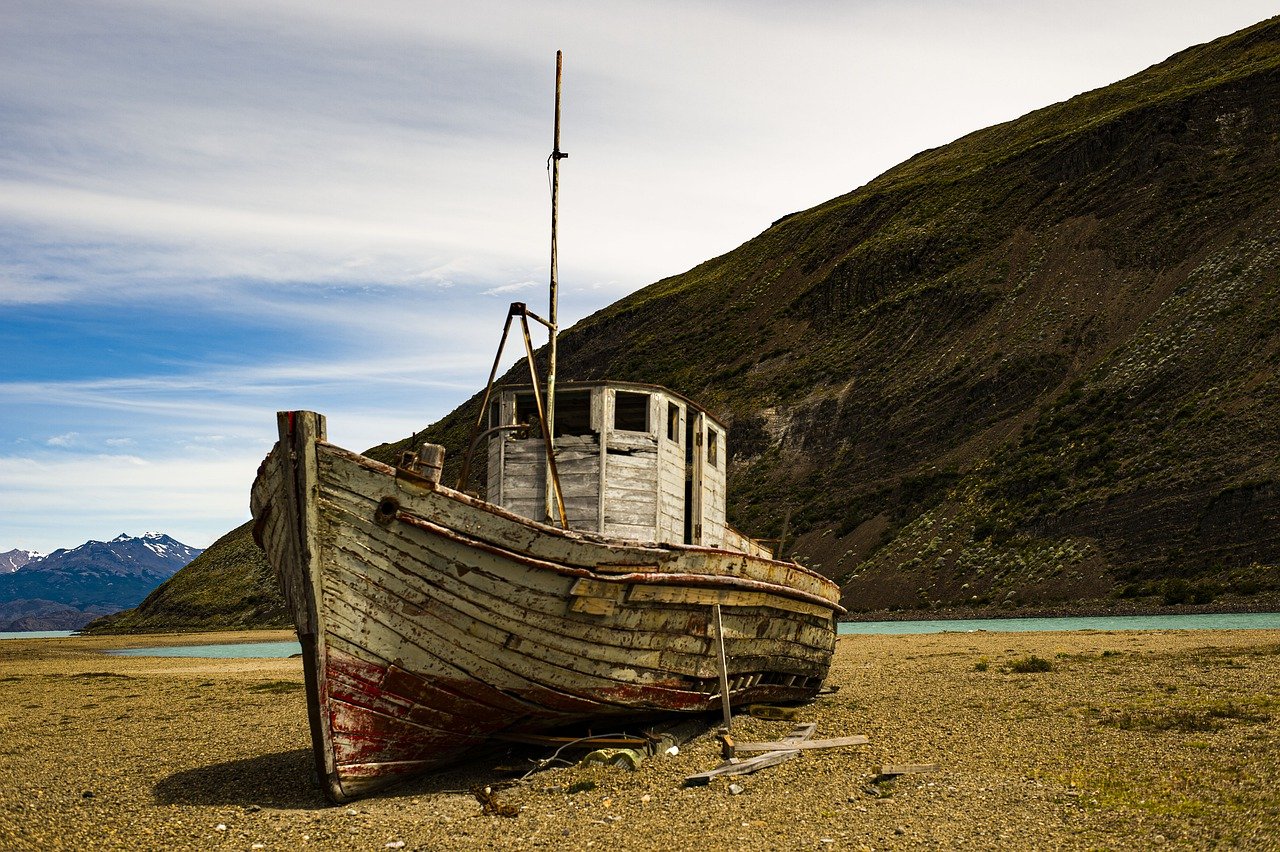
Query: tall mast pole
[[556, 156]]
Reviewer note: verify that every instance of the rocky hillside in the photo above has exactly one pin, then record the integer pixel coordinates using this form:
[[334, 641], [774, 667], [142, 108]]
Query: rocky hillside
[[1037, 366]]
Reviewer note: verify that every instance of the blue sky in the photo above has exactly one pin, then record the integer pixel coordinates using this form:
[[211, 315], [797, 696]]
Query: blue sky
[[211, 211]]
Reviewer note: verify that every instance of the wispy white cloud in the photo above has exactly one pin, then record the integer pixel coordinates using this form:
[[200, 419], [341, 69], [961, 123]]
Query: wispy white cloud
[[372, 143], [17, 289], [163, 411], [504, 289], [174, 476]]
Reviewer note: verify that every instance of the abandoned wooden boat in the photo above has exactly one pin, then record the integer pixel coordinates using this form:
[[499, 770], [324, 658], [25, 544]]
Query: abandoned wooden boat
[[432, 620]]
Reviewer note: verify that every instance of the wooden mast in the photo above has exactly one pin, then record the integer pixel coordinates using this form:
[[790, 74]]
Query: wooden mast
[[556, 156]]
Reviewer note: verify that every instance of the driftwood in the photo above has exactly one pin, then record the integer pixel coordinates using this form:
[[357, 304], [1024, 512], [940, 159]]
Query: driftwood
[[839, 742], [744, 767], [788, 749]]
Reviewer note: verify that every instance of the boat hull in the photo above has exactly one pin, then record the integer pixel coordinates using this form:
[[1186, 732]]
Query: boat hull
[[432, 621]]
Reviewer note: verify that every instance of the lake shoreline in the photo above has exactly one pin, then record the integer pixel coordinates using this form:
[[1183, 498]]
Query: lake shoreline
[[116, 641], [1099, 609]]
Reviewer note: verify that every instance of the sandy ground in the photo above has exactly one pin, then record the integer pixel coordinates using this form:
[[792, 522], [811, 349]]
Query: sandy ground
[[1131, 741]]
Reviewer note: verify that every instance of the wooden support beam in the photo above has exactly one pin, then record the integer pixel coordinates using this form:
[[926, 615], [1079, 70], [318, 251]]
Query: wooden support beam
[[723, 667]]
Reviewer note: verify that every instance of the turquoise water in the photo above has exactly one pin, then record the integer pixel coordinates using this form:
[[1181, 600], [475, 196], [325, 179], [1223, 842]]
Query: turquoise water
[[1226, 621], [38, 634], [239, 650]]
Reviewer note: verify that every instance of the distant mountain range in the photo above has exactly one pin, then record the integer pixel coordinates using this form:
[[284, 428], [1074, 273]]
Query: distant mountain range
[[69, 588]]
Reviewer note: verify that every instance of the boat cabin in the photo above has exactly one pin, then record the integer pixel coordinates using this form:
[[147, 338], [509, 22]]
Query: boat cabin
[[635, 462]]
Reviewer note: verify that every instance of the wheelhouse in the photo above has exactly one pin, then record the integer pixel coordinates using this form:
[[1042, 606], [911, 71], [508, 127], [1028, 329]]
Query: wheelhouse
[[635, 461]]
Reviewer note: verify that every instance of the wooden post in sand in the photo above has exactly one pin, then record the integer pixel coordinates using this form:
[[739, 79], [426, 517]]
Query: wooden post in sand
[[724, 669]]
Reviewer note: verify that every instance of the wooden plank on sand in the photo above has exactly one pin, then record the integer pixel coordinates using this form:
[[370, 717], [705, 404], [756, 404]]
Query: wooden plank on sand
[[807, 744], [902, 768], [755, 764]]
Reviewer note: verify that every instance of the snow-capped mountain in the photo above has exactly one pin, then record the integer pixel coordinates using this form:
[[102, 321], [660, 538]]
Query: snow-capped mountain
[[12, 560], [86, 580], [152, 552]]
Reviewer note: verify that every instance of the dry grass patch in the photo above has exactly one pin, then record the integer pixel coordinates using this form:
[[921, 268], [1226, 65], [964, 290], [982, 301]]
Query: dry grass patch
[[1184, 720]]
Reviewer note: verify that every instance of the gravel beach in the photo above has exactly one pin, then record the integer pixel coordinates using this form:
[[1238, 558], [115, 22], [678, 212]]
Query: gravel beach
[[1130, 740]]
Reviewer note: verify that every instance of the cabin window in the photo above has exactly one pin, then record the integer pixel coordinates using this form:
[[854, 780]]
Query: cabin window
[[573, 412], [631, 411], [673, 422], [495, 413], [713, 446], [526, 410]]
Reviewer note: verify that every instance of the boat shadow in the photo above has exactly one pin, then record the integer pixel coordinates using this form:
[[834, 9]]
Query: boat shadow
[[286, 780], [280, 780]]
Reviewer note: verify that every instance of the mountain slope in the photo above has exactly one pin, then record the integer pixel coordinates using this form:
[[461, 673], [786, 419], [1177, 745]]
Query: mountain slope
[[1037, 365], [81, 583]]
